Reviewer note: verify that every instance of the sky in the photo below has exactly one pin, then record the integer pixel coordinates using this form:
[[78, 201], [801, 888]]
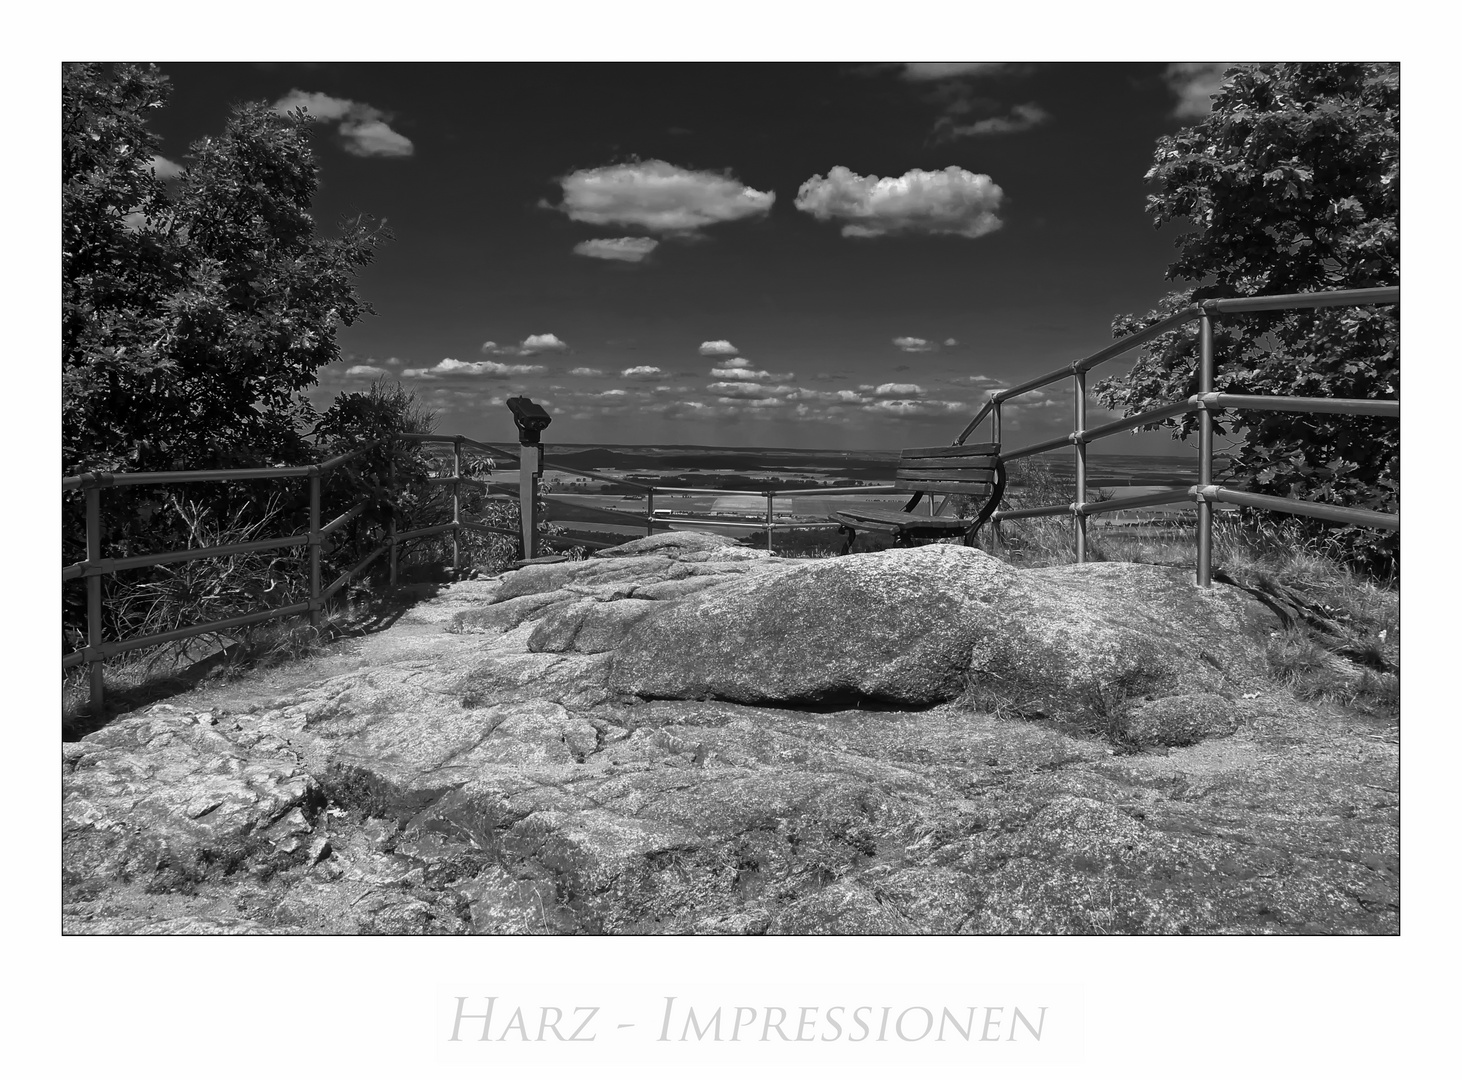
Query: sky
[[837, 255]]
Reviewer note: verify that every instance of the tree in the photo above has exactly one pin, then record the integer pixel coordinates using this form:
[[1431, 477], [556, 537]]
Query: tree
[[191, 322], [194, 313], [1291, 184]]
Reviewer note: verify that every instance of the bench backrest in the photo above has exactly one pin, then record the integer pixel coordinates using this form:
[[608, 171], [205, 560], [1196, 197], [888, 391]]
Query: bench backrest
[[949, 470]]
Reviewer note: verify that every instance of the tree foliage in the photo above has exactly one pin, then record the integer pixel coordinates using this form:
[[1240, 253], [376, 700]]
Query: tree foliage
[[195, 312], [192, 319], [1291, 184]]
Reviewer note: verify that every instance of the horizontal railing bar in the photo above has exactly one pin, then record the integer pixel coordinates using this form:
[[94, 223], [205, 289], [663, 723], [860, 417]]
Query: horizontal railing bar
[[344, 578], [113, 648], [135, 562], [289, 472], [1323, 511], [340, 459], [75, 570], [1157, 498], [872, 489], [475, 526], [708, 491], [1280, 403], [486, 485], [1131, 341], [1115, 349], [730, 523], [427, 437], [1390, 294], [349, 515], [1032, 511], [430, 530], [1116, 427], [1037, 448], [72, 659]]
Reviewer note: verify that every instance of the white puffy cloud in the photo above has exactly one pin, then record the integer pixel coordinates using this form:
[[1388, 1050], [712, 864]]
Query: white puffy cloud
[[659, 197], [642, 371], [915, 344], [954, 201], [364, 130], [362, 371], [619, 249], [719, 348], [950, 343], [930, 71], [531, 345], [586, 372], [490, 368], [1020, 118], [537, 343], [1194, 84]]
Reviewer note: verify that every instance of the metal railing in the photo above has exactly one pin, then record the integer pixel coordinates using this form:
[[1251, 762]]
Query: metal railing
[[1206, 402]]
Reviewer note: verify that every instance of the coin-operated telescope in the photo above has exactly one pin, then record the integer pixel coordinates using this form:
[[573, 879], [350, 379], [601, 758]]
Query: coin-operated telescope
[[530, 419]]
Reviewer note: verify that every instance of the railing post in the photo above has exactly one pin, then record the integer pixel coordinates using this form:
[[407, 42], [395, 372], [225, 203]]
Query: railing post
[[997, 536], [1079, 403], [391, 521], [769, 522], [650, 512], [456, 504], [1205, 447], [530, 460], [94, 596], [315, 549]]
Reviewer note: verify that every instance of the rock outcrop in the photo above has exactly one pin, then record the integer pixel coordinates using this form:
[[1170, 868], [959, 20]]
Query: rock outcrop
[[687, 736]]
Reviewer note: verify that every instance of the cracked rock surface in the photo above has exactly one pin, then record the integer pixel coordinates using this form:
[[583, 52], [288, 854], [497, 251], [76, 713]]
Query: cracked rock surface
[[686, 736]]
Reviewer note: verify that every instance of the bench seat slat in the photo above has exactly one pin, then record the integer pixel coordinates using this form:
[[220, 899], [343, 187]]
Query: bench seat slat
[[943, 487], [967, 450], [897, 519], [969, 476], [984, 463]]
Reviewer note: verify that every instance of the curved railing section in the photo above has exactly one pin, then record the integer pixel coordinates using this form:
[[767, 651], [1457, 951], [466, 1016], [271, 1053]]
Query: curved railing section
[[1205, 403]]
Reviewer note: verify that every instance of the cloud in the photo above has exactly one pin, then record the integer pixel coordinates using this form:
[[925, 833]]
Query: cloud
[[586, 372], [621, 249], [365, 371], [1194, 85], [915, 344], [531, 346], [537, 343], [950, 343], [364, 130], [739, 372], [749, 391], [952, 201], [165, 169], [1020, 118], [643, 371], [893, 389], [719, 348], [489, 368], [907, 407], [659, 197], [930, 71]]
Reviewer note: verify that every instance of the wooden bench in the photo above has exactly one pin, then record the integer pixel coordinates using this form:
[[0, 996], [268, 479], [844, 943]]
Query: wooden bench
[[973, 469]]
